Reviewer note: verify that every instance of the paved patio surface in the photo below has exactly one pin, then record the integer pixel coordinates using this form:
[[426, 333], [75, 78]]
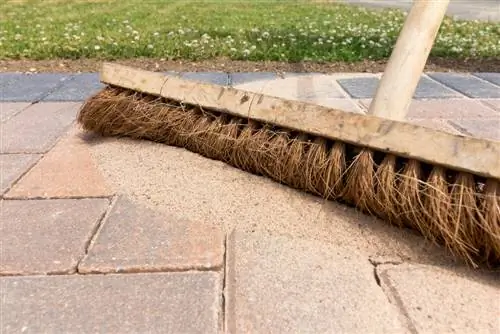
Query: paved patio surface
[[113, 235], [482, 10]]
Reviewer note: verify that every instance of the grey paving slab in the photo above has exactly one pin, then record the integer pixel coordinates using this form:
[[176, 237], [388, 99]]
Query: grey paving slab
[[9, 109], [468, 85], [440, 300], [37, 128], [135, 238], [12, 166], [80, 87], [365, 87], [131, 303], [217, 78], [361, 88], [482, 128], [29, 87], [489, 76], [289, 285], [487, 10], [430, 89], [47, 236], [246, 77]]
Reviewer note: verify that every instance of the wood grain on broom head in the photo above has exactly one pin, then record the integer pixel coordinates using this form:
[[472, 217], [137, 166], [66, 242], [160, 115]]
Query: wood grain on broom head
[[455, 209]]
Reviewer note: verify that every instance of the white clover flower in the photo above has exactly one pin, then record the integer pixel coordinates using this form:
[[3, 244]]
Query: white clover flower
[[97, 47]]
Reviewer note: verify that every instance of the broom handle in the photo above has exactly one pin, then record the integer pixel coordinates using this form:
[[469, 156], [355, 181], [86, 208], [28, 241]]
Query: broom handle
[[407, 61]]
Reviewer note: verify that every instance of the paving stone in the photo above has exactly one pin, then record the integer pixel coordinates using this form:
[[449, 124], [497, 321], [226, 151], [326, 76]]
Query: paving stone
[[12, 166], [288, 285], [482, 128], [439, 300], [246, 77], [30, 87], [365, 87], [46, 236], [342, 104], [319, 88], [430, 89], [437, 124], [468, 85], [36, 129], [9, 109], [492, 103], [68, 170], [361, 87], [445, 109], [489, 76], [135, 239], [132, 303], [79, 88], [217, 78]]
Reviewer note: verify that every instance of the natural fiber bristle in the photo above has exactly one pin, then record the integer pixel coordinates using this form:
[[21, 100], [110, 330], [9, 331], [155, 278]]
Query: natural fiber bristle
[[458, 210]]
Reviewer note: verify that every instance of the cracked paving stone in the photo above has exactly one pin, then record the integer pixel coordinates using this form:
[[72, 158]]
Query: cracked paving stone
[[47, 236]]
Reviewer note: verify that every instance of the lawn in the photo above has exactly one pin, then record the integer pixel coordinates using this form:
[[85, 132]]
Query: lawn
[[239, 30]]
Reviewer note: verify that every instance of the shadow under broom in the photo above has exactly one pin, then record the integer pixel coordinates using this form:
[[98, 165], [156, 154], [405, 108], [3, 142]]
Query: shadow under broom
[[445, 186]]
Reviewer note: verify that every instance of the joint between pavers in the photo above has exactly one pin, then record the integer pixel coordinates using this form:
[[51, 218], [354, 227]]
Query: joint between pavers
[[60, 85], [48, 198], [222, 318], [23, 174], [484, 80], [461, 95], [459, 128], [95, 231], [392, 295], [154, 270]]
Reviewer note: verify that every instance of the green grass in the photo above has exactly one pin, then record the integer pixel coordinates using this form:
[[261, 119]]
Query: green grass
[[251, 30]]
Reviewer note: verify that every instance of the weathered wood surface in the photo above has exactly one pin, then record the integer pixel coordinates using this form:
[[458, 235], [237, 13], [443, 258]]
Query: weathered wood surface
[[479, 156], [407, 61]]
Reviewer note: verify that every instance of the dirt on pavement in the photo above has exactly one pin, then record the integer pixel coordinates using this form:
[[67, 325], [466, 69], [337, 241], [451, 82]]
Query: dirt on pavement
[[226, 65]]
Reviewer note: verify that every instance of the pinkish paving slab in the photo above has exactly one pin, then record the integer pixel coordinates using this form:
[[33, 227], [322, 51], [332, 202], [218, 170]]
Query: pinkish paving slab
[[46, 236], [132, 303], [482, 128], [68, 170], [135, 238], [37, 128]]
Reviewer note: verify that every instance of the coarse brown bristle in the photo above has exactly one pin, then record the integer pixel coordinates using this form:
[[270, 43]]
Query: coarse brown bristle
[[455, 209]]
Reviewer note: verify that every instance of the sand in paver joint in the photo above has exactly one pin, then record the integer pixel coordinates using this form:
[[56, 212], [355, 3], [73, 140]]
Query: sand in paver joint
[[191, 244]]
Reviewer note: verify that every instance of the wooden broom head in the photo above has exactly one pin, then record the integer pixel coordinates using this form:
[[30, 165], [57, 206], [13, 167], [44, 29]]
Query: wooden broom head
[[443, 185]]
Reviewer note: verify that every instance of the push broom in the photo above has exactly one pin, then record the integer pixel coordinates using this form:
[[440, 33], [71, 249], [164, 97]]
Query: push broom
[[443, 185]]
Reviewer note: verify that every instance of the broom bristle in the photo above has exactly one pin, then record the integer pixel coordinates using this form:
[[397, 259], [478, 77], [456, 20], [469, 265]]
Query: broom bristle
[[458, 210]]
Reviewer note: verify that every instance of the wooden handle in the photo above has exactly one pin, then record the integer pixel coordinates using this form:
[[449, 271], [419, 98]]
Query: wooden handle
[[407, 62]]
